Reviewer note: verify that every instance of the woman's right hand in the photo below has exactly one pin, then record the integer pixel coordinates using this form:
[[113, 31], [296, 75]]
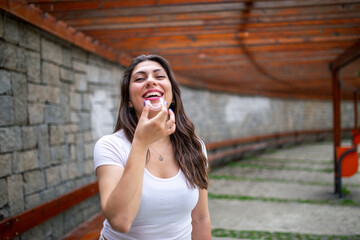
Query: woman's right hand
[[150, 130]]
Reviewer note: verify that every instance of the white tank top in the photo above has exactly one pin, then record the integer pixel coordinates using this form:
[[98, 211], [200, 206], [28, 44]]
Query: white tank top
[[166, 203]]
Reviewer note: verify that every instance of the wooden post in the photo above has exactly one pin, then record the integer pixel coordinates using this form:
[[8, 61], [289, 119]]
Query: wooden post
[[336, 120], [355, 111]]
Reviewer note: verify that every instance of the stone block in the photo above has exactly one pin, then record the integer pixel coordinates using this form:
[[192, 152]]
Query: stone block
[[78, 54], [3, 192], [92, 73], [48, 194], [19, 88], [74, 170], [29, 38], [85, 102], [5, 83], [106, 75], [53, 94], [85, 121], [1, 25], [6, 110], [79, 66], [51, 51], [57, 226], [32, 200], [12, 57], [64, 175], [72, 153], [73, 220], [80, 82], [75, 101], [44, 155], [65, 103], [10, 139], [42, 231], [70, 138], [53, 176], [33, 66], [87, 137], [53, 114], [34, 181], [74, 118], [57, 135], [36, 113], [5, 164], [71, 128], [25, 161], [50, 74], [60, 153], [80, 154], [89, 167], [66, 75], [88, 150], [15, 194], [38, 93], [67, 57], [5, 213], [29, 137], [11, 33]]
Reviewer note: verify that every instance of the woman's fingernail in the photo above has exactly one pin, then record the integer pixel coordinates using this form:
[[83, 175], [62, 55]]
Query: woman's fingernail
[[171, 109], [144, 103]]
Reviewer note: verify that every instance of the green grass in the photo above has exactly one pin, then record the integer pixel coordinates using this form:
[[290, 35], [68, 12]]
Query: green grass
[[261, 166], [265, 235], [342, 202], [236, 178], [287, 160]]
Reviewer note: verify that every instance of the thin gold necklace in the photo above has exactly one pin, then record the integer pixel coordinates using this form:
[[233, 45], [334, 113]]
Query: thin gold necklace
[[160, 155]]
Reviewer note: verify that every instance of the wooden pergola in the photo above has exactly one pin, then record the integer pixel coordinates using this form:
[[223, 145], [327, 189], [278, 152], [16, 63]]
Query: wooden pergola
[[274, 48]]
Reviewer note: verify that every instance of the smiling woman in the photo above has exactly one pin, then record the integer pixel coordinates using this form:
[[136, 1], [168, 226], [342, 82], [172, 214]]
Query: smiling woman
[[153, 170]]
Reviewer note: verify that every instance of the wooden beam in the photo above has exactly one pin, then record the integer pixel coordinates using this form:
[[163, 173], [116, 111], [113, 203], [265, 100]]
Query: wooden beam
[[352, 53], [46, 22], [132, 8], [16, 225], [270, 15]]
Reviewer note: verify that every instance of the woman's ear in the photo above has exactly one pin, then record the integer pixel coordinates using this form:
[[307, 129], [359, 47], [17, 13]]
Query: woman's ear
[[131, 105]]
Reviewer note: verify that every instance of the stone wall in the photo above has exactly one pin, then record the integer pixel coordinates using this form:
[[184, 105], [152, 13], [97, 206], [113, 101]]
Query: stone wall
[[56, 100], [50, 94], [219, 116]]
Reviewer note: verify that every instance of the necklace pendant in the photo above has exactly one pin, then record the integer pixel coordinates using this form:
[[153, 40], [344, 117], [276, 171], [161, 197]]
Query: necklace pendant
[[161, 158]]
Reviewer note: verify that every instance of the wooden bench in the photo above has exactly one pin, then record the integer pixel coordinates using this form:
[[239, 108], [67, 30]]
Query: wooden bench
[[90, 229]]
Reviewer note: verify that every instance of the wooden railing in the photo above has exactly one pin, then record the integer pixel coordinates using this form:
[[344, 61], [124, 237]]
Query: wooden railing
[[16, 225], [253, 143]]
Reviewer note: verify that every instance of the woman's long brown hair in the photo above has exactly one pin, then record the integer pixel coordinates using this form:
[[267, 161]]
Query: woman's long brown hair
[[187, 147]]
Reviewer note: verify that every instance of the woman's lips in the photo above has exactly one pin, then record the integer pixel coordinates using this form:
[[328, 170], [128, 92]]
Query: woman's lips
[[153, 98]]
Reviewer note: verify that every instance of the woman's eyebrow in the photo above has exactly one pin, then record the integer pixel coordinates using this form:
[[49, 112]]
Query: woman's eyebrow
[[143, 72], [139, 72]]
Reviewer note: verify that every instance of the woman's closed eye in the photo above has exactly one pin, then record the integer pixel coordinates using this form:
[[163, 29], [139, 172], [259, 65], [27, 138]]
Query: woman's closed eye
[[139, 79]]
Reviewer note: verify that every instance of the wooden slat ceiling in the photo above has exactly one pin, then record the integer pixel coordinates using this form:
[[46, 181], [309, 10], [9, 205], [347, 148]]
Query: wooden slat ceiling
[[276, 48]]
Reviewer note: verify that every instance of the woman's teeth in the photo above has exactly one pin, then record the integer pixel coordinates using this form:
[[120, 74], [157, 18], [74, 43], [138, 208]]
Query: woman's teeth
[[152, 94]]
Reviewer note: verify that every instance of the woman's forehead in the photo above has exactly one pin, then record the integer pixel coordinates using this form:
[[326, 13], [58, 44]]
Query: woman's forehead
[[147, 66]]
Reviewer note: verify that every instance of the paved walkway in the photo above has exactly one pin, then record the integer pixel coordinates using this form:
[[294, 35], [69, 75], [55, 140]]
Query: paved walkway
[[285, 194]]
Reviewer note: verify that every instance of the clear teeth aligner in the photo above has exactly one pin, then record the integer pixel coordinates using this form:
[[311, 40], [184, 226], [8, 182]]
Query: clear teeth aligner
[[155, 107]]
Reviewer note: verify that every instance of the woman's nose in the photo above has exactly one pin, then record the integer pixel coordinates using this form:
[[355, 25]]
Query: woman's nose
[[151, 81]]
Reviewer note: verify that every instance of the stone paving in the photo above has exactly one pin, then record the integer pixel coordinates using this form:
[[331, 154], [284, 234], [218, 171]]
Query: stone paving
[[284, 194]]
